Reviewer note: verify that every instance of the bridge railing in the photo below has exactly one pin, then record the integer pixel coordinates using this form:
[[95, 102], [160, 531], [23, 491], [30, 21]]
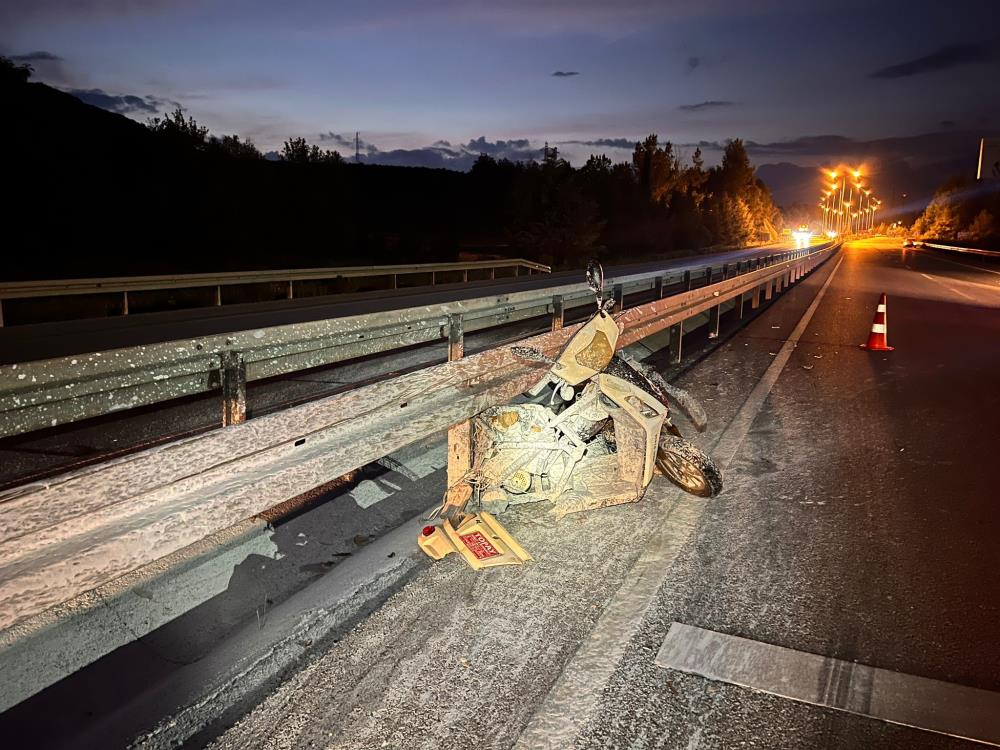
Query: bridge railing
[[124, 285]]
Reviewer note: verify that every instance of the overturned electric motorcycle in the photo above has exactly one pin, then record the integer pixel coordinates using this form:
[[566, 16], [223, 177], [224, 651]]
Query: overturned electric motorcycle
[[589, 434]]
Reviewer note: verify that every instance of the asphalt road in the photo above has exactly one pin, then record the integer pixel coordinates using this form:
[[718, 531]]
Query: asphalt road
[[859, 520], [858, 523]]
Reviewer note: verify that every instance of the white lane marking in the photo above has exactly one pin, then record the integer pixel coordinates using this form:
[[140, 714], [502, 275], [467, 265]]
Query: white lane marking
[[738, 429], [572, 699], [947, 286], [912, 701], [990, 287], [935, 256]]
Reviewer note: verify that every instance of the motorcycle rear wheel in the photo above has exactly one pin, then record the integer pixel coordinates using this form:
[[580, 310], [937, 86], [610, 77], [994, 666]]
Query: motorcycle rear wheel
[[688, 466]]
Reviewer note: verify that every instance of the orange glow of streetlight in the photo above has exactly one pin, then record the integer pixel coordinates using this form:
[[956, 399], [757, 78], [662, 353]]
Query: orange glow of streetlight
[[857, 173]]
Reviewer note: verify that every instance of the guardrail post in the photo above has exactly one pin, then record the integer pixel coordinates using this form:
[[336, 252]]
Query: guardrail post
[[657, 289], [433, 275], [1, 313], [456, 338], [125, 303], [676, 342], [234, 388], [291, 289], [769, 289], [725, 271], [740, 301], [755, 298], [218, 295], [713, 321], [557, 312], [687, 281], [708, 275], [619, 293]]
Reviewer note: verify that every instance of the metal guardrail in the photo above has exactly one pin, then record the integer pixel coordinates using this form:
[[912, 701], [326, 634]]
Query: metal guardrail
[[67, 539], [51, 392], [967, 250], [125, 284]]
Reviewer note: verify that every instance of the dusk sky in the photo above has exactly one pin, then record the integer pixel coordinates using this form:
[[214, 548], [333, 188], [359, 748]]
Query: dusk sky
[[410, 75]]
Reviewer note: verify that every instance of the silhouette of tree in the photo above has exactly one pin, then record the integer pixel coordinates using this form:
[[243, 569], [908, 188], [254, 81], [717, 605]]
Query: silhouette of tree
[[297, 151], [12, 74], [232, 146], [657, 168], [984, 226], [179, 130]]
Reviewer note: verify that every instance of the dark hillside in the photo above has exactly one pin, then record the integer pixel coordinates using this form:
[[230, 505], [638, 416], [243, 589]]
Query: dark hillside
[[91, 192]]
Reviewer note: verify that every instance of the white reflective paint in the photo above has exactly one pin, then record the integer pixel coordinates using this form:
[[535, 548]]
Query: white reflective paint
[[910, 700]]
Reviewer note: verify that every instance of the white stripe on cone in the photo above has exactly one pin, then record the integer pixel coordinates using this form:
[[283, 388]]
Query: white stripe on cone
[[880, 308], [878, 327]]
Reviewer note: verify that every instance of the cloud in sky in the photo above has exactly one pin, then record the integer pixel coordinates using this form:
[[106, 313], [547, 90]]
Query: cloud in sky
[[565, 73], [445, 155], [48, 66], [702, 106], [947, 57], [123, 104], [628, 143], [37, 56], [348, 142]]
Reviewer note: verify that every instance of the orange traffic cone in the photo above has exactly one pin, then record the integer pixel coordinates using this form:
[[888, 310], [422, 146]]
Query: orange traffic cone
[[878, 339]]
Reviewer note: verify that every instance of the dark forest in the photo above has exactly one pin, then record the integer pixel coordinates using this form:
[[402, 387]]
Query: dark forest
[[96, 193]]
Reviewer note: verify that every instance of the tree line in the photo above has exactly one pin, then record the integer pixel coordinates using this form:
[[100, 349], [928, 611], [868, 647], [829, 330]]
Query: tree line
[[653, 204], [963, 209]]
